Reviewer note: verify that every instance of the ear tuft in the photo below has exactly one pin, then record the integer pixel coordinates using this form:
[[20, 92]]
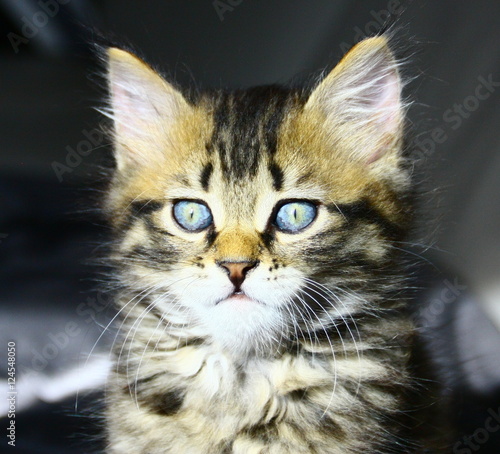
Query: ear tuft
[[143, 106], [361, 98]]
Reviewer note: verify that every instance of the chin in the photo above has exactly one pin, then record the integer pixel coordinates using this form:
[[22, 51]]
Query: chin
[[242, 326]]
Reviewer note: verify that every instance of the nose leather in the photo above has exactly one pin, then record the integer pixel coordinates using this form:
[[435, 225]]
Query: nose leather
[[237, 271]]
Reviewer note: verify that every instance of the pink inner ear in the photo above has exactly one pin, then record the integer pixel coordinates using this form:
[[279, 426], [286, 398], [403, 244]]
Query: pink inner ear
[[387, 106], [121, 99], [132, 109], [130, 103], [362, 95], [124, 109], [386, 114]]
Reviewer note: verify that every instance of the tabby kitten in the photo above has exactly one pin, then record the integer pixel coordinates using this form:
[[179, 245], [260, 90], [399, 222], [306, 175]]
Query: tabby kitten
[[261, 289]]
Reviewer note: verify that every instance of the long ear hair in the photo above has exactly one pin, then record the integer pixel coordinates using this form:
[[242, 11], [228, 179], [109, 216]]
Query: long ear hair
[[142, 105]]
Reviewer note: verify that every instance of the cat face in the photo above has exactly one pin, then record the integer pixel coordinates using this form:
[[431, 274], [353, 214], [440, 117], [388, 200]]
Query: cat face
[[254, 218]]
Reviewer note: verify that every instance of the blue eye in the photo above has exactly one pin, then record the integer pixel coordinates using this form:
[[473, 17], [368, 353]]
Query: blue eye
[[295, 216], [191, 215]]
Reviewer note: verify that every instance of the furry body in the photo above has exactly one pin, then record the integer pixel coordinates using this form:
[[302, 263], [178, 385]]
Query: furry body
[[313, 354]]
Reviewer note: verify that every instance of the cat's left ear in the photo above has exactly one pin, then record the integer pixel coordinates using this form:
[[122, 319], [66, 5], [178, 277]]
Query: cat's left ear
[[361, 101], [144, 109]]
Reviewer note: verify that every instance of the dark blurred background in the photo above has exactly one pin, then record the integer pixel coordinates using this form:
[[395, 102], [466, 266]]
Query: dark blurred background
[[50, 153]]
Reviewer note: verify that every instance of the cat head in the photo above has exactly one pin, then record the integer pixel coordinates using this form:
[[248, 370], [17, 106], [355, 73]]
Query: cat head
[[254, 215]]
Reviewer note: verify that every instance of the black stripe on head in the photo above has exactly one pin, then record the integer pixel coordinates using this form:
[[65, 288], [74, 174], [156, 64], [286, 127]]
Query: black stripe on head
[[246, 126], [364, 211], [277, 175], [141, 208], [206, 173], [209, 146]]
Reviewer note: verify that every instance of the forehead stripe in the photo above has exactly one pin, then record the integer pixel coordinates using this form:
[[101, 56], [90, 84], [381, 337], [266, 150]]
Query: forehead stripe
[[277, 175], [246, 126], [206, 173]]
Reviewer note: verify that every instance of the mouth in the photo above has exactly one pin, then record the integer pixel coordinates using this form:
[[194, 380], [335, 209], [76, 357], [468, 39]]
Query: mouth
[[237, 297]]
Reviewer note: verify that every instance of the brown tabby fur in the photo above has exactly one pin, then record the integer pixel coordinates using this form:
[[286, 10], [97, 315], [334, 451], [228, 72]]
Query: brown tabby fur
[[324, 369]]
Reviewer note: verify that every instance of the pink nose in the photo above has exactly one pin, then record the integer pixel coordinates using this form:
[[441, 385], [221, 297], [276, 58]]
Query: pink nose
[[237, 271]]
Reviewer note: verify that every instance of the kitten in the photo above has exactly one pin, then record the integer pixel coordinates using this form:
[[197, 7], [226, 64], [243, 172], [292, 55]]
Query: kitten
[[261, 289]]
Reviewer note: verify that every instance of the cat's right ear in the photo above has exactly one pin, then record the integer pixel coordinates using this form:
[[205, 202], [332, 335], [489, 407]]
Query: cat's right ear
[[143, 106], [362, 104]]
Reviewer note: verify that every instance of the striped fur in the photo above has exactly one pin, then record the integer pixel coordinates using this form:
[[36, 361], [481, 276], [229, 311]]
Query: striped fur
[[316, 359]]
